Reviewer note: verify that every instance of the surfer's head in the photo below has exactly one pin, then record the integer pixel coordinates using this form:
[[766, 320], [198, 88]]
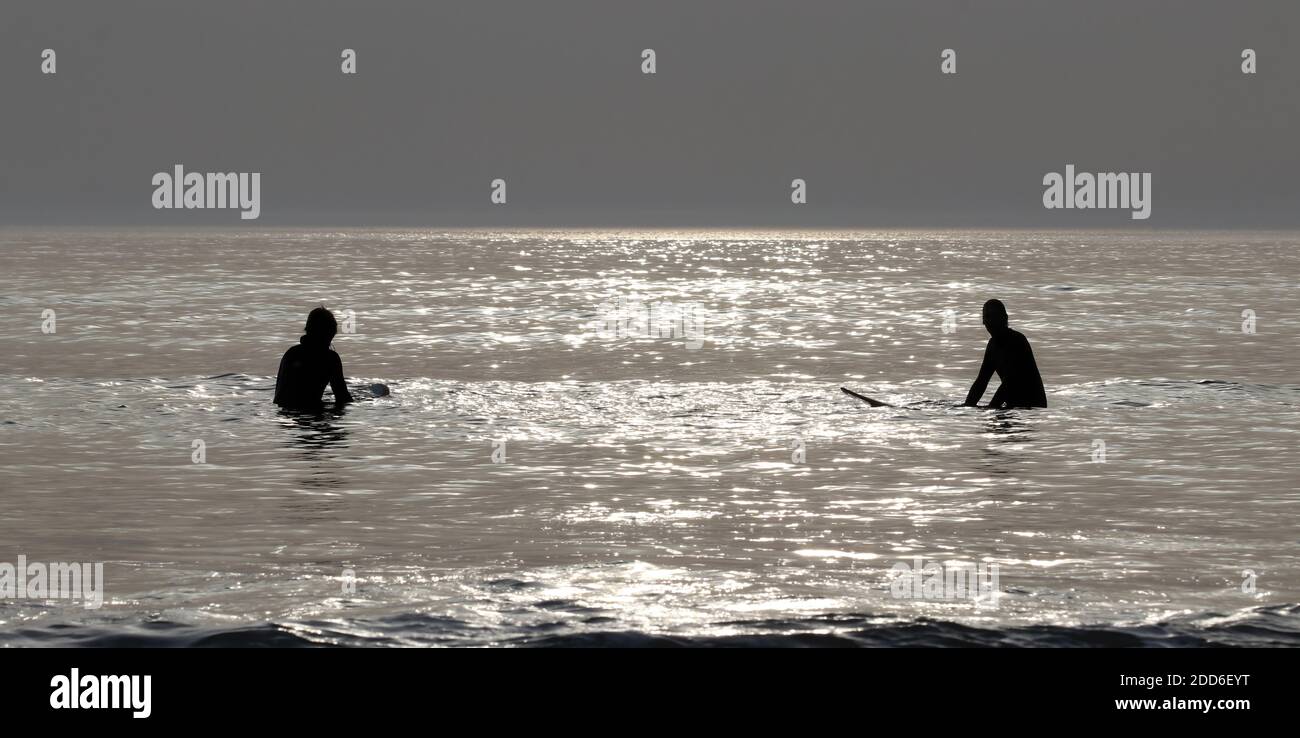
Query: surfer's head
[[995, 315], [321, 327]]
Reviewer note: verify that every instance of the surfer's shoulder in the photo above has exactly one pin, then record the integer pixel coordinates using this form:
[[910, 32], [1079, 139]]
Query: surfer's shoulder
[[1015, 335]]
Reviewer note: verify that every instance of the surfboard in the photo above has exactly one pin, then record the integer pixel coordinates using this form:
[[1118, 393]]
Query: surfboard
[[864, 398], [368, 391]]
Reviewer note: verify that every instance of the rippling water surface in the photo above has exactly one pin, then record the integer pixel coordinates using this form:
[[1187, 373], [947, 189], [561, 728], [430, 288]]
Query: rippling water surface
[[651, 491]]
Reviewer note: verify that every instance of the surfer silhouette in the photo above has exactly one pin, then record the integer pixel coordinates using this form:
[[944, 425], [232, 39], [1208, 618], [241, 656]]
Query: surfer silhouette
[[312, 364], [1009, 355]]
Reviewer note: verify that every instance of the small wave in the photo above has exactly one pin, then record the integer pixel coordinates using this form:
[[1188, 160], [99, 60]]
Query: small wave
[[1271, 626]]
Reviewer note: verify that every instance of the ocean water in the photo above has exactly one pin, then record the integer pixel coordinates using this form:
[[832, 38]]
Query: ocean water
[[555, 468]]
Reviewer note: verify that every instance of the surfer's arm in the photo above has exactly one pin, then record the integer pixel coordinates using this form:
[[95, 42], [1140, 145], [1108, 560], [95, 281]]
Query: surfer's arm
[[280, 381], [337, 383], [982, 381]]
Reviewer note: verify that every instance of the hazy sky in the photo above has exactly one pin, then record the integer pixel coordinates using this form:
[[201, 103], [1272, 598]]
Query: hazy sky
[[749, 94]]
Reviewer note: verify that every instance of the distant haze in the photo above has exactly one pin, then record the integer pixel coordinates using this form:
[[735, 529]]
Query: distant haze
[[748, 95]]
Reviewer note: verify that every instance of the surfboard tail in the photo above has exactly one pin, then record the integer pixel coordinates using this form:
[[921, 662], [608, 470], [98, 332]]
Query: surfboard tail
[[870, 401]]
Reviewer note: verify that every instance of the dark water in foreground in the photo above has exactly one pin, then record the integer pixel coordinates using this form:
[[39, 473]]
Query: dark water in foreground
[[1262, 628]]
